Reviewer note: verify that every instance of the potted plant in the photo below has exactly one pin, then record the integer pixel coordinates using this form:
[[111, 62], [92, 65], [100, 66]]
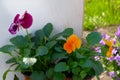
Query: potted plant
[[43, 56]]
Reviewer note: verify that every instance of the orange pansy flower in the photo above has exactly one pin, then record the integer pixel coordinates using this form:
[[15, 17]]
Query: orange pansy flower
[[72, 43], [109, 52], [109, 43]]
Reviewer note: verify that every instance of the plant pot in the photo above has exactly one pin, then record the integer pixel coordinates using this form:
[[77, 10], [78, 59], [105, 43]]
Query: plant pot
[[27, 77]]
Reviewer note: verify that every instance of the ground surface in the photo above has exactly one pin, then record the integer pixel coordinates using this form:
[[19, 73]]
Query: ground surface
[[110, 31]]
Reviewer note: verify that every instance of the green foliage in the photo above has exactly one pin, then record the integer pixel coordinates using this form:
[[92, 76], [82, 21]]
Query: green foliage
[[43, 55], [101, 13], [93, 38], [61, 67]]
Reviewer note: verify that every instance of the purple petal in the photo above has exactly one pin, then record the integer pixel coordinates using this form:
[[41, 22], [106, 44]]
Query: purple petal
[[27, 20], [106, 36], [118, 32], [112, 74], [13, 28], [16, 19], [102, 42]]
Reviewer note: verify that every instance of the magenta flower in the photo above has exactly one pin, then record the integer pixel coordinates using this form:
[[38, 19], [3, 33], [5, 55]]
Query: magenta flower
[[25, 22]]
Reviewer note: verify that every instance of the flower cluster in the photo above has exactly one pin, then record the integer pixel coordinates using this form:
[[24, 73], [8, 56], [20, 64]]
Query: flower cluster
[[43, 56], [110, 47]]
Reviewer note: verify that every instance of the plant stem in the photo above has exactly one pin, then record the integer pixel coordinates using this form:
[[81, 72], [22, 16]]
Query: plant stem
[[28, 35]]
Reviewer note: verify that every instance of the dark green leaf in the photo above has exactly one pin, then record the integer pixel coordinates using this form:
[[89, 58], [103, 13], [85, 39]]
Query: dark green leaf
[[37, 76], [50, 44], [47, 29], [97, 66], [93, 38], [5, 74], [11, 60], [60, 67], [73, 64], [67, 32], [56, 36], [20, 41], [42, 50], [78, 55], [50, 73], [58, 56], [86, 63], [26, 52], [75, 77], [83, 74], [7, 49], [16, 78], [59, 76], [76, 71]]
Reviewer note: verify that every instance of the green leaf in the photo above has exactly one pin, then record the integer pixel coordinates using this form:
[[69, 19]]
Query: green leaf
[[16, 78], [93, 38], [26, 52], [50, 44], [76, 71], [78, 55], [37, 76], [58, 56], [42, 50], [67, 32], [50, 73], [5, 74], [83, 74], [87, 63], [11, 60], [75, 77], [20, 41], [59, 76], [97, 66], [56, 36], [47, 29], [73, 64], [7, 49], [60, 67], [39, 37]]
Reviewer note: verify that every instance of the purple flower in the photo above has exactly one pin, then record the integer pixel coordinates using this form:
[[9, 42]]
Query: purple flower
[[102, 42], [15, 25], [118, 63], [112, 74], [118, 32], [25, 21], [97, 49], [114, 51], [97, 58], [117, 58], [112, 58], [105, 36], [117, 78]]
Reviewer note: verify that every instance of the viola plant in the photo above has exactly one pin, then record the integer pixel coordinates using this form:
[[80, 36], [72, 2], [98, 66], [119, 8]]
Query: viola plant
[[110, 47], [43, 56]]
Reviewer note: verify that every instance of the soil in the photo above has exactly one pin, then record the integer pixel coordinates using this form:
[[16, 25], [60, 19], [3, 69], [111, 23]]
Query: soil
[[107, 30]]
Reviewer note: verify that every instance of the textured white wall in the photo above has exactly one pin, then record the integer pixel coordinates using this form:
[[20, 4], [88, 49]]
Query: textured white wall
[[62, 13]]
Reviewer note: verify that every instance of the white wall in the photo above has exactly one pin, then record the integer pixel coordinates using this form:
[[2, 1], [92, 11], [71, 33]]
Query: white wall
[[62, 13]]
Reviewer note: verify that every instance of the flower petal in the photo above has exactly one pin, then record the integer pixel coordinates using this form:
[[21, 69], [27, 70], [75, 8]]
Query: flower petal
[[13, 28], [27, 20], [16, 19]]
